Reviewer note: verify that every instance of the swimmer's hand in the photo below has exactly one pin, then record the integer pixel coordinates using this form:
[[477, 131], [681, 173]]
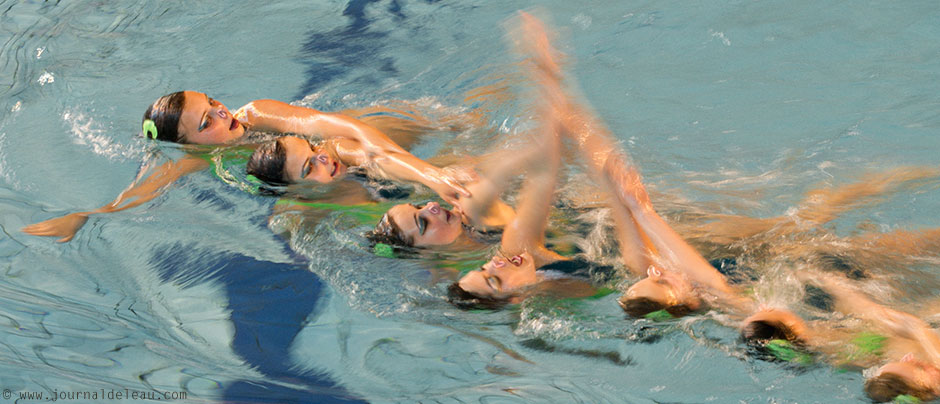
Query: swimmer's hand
[[451, 184], [64, 227], [245, 115]]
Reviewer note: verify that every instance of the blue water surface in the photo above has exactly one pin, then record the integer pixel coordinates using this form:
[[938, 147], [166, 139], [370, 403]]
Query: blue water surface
[[737, 106]]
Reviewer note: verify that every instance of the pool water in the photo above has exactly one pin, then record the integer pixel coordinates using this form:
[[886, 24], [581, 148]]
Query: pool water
[[738, 107]]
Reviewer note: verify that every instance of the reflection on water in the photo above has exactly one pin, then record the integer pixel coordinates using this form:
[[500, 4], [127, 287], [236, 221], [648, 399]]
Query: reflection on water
[[735, 113]]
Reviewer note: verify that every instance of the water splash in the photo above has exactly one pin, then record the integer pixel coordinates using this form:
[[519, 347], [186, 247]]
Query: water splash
[[87, 132]]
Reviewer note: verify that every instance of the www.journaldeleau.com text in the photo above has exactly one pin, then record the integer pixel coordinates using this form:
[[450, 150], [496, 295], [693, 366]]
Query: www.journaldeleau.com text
[[92, 395]]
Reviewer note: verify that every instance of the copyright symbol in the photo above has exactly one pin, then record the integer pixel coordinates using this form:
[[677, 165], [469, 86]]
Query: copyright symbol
[[7, 394]]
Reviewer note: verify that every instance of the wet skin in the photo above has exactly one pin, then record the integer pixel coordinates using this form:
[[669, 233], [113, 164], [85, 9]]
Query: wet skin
[[915, 372], [308, 163], [664, 287], [204, 120], [427, 225], [501, 277]]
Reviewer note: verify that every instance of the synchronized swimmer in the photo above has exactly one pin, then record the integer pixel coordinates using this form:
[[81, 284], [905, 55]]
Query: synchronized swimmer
[[194, 118], [675, 277]]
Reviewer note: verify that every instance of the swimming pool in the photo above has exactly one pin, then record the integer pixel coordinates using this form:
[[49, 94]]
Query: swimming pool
[[738, 107]]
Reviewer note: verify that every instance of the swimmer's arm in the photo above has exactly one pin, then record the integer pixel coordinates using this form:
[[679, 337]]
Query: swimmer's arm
[[277, 116], [824, 205], [596, 144], [903, 241], [849, 301], [138, 193], [402, 124], [392, 159], [593, 140], [404, 166], [904, 325], [671, 246], [495, 172], [526, 232]]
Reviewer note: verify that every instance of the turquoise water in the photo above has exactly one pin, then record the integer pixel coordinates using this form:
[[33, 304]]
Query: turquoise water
[[740, 107]]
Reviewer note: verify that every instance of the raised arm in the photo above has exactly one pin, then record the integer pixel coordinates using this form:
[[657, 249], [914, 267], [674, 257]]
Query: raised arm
[[648, 232], [592, 138], [526, 231], [671, 246], [138, 193]]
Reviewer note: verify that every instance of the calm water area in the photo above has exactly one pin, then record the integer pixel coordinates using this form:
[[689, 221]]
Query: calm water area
[[736, 107]]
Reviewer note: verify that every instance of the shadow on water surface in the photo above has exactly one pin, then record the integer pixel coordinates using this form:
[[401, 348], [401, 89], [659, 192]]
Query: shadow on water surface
[[331, 54], [270, 302]]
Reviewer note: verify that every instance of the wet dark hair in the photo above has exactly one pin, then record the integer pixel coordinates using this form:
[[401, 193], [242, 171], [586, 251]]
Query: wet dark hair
[[165, 114], [465, 300], [387, 231], [640, 306], [267, 163], [762, 331], [886, 386]]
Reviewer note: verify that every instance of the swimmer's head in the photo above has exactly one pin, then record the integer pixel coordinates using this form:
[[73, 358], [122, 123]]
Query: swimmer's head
[[660, 290], [501, 277], [770, 324], [388, 232], [267, 163], [194, 118], [291, 159], [419, 226], [908, 376], [469, 301]]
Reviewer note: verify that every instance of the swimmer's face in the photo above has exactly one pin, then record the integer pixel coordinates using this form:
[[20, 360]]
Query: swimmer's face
[[307, 163], [663, 287], [427, 225], [204, 120], [501, 277]]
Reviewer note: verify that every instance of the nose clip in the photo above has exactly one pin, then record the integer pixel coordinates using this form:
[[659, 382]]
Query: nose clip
[[434, 208], [321, 158], [498, 263], [222, 113]]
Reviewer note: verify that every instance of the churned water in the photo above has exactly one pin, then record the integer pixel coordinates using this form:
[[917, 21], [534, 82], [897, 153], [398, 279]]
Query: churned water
[[734, 107]]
